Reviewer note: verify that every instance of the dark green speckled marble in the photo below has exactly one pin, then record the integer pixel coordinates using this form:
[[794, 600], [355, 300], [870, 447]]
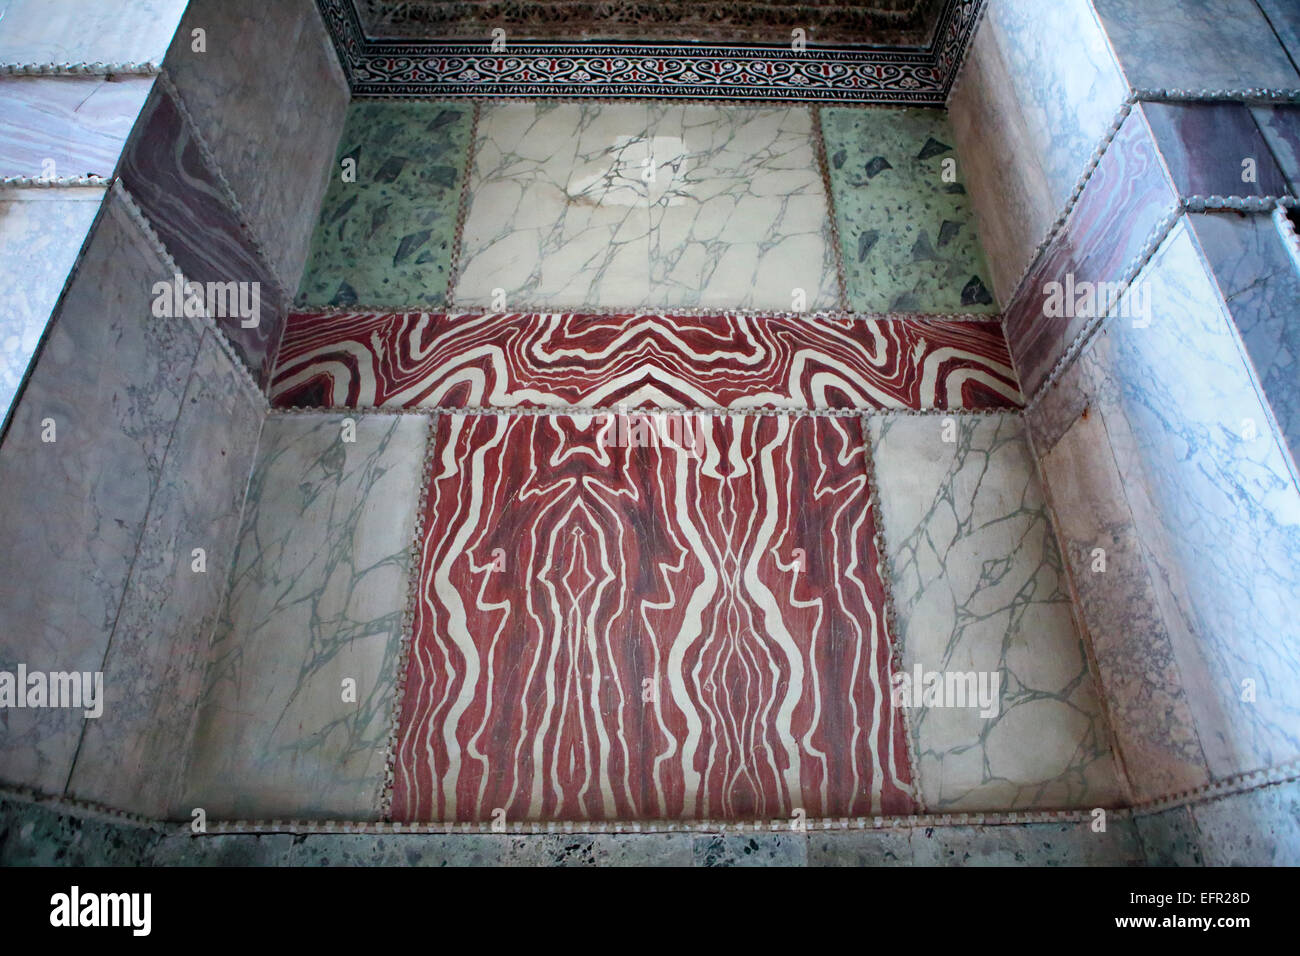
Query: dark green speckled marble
[[386, 239], [906, 234]]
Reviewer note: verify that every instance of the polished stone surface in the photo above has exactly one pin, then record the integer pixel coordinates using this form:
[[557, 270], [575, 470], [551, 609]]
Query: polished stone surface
[[1215, 507], [1039, 90], [1256, 828], [181, 195], [273, 129], [634, 206], [979, 587], [1116, 598], [38, 835], [1284, 17], [1075, 281], [386, 238], [74, 31], [1280, 126], [1196, 44], [906, 227], [132, 758], [1206, 147], [1169, 838], [318, 591], [111, 379], [61, 126], [41, 234], [1260, 282]]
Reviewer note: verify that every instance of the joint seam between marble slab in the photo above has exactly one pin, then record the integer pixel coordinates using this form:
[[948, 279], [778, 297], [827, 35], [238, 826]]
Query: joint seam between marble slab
[[139, 541], [462, 210], [1085, 177], [995, 318], [1259, 94], [207, 321], [38, 182], [1085, 633], [384, 803], [823, 167], [80, 808], [884, 573], [1161, 232], [602, 411], [209, 157], [80, 69]]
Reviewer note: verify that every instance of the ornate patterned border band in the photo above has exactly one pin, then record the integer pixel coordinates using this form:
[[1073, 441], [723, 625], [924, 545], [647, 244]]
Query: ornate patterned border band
[[823, 74]]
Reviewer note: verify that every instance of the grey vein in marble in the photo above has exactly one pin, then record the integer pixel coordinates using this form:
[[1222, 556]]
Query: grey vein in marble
[[41, 232], [317, 595], [630, 205], [979, 587], [1215, 506], [132, 758], [74, 31], [111, 378]]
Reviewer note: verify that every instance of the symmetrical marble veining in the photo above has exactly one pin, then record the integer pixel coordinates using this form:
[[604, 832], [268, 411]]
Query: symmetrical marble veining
[[133, 756], [907, 232], [81, 459], [294, 718], [631, 617], [41, 233], [273, 129], [61, 126], [979, 589], [646, 206], [1196, 44], [388, 220], [420, 360]]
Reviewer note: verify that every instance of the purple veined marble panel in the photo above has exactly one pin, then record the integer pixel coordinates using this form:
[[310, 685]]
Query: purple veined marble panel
[[1280, 126], [1123, 203], [76, 123], [167, 175], [1206, 147]]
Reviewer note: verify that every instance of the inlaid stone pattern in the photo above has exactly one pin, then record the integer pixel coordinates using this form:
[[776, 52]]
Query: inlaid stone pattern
[[907, 229], [388, 221], [979, 589]]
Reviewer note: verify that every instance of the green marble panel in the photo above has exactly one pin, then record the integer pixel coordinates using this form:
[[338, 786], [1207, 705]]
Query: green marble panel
[[907, 227], [386, 238]]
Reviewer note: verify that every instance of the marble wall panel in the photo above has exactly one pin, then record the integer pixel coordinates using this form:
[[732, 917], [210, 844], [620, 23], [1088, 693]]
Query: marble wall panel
[[1204, 146], [168, 177], [273, 128], [1256, 828], [73, 31], [1215, 508], [1260, 283], [1284, 17], [55, 126], [41, 234], [979, 587], [133, 757], [1196, 44], [1280, 126], [1039, 91], [1125, 200], [317, 595], [110, 380]]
